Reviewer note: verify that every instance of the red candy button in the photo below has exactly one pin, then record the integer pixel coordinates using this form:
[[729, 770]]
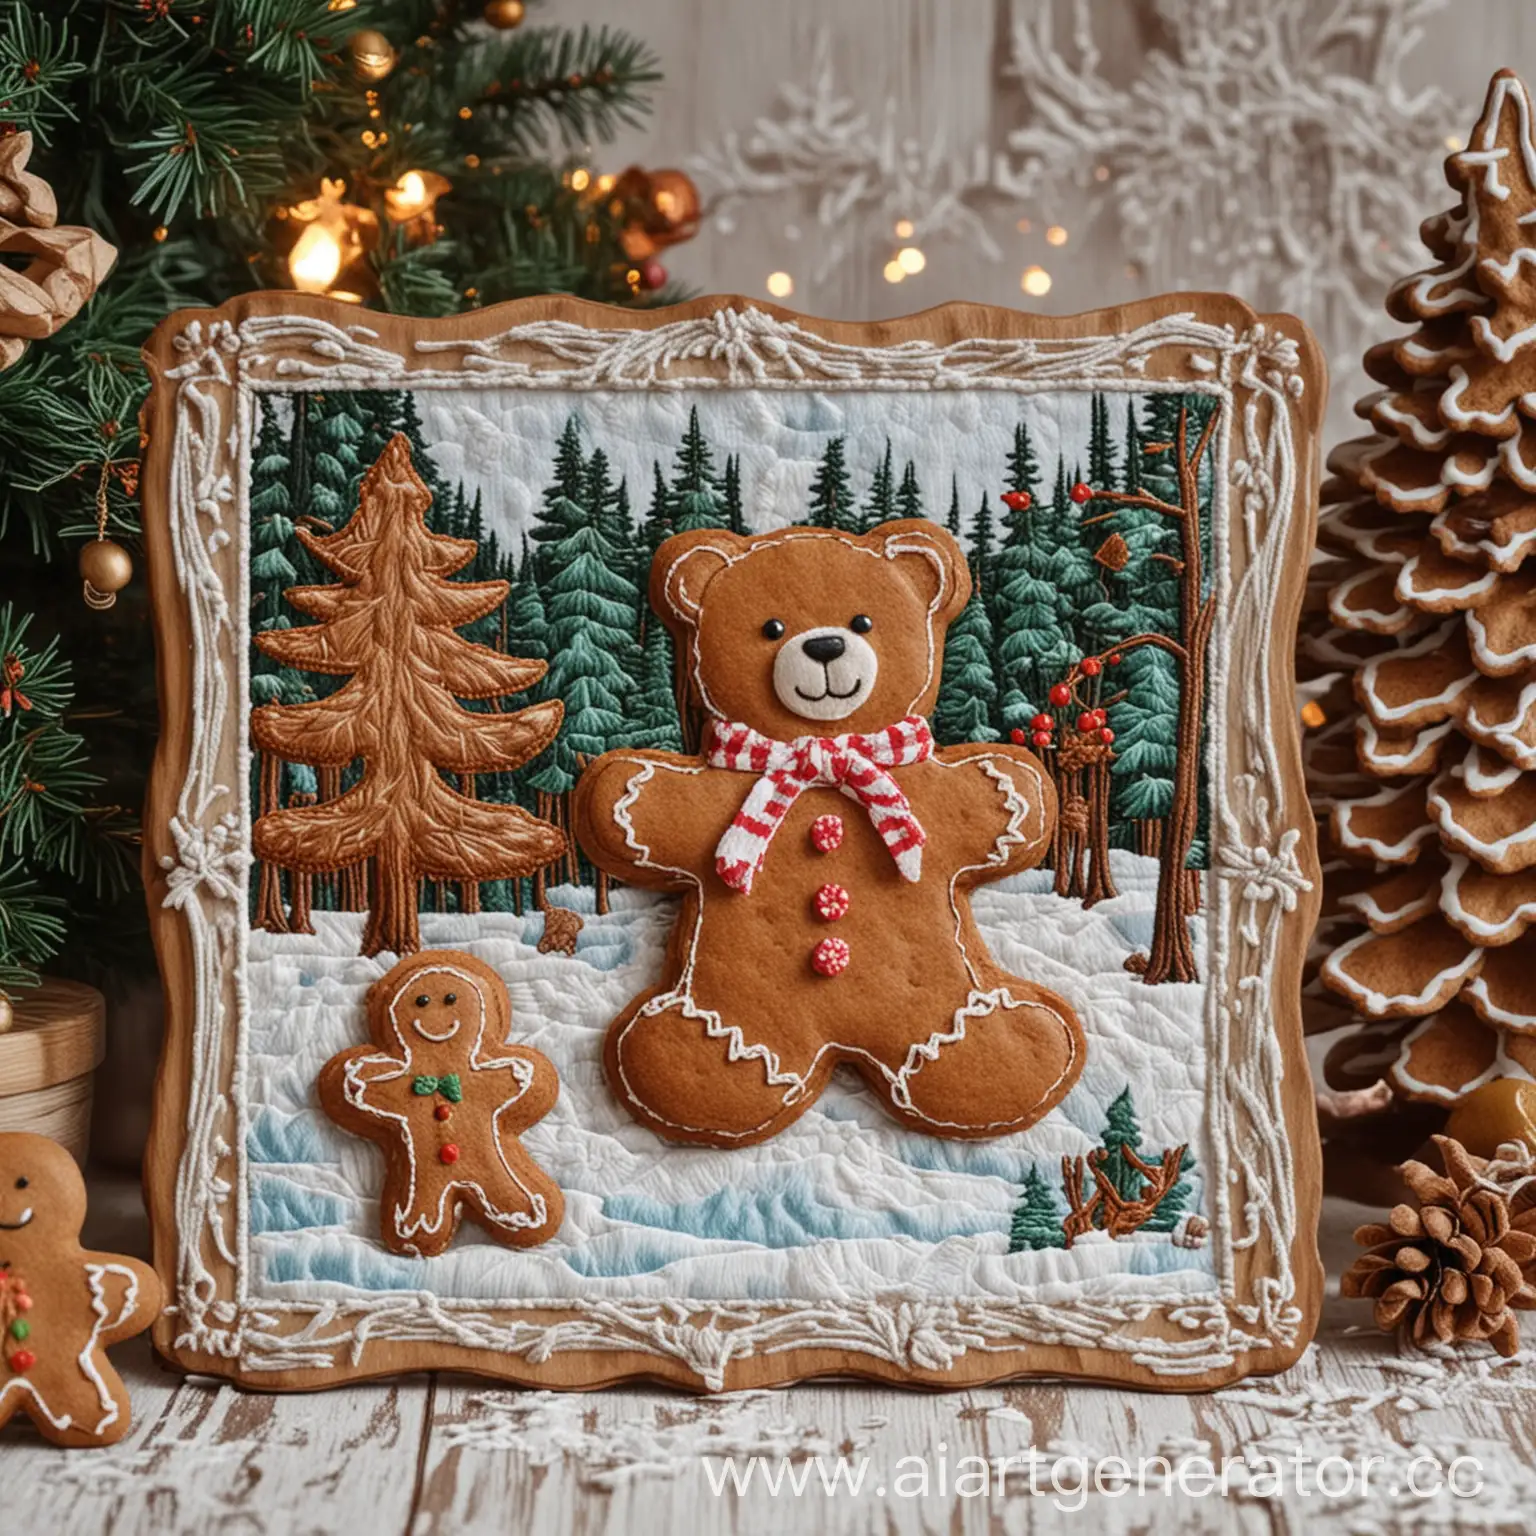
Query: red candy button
[[443, 1111], [831, 957], [23, 1361], [449, 1154], [832, 902], [827, 833]]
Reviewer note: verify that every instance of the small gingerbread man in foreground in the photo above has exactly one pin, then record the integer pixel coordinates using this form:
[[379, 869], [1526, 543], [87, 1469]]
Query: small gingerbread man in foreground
[[60, 1305], [445, 1098]]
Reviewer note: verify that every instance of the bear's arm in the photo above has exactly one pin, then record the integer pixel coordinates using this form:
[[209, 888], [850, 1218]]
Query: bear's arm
[[653, 818], [998, 806]]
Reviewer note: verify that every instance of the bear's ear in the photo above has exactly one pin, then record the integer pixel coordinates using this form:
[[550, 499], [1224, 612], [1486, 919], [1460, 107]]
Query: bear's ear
[[685, 564], [931, 558]]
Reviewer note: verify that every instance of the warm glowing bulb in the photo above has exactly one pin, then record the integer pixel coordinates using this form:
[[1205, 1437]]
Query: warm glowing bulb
[[904, 229], [780, 284], [581, 179], [1023, 226], [1455, 142], [665, 200], [605, 182], [893, 272], [1035, 281], [315, 260], [1101, 173], [1056, 235], [411, 193], [911, 260], [1312, 715]]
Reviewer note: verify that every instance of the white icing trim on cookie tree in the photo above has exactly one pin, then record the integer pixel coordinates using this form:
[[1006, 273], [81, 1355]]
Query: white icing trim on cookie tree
[[1250, 1171]]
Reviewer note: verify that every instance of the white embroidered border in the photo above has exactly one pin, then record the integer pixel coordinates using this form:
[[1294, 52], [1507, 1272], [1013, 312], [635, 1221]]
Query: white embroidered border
[[1255, 858]]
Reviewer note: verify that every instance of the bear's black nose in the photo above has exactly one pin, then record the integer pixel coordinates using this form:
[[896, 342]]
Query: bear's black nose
[[823, 648]]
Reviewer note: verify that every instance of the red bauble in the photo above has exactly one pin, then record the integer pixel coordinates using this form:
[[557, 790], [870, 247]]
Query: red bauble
[[1061, 694], [1107, 736], [1018, 501], [1041, 738], [653, 275], [1042, 723], [1018, 737], [1082, 492]]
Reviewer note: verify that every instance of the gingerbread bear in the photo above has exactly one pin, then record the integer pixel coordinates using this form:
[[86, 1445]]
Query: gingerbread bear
[[825, 879], [60, 1305], [446, 1097]]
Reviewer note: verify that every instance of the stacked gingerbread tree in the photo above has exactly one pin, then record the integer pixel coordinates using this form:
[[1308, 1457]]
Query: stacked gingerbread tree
[[1426, 770]]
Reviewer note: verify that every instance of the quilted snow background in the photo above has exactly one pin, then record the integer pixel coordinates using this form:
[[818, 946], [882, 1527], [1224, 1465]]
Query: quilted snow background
[[1284, 150]]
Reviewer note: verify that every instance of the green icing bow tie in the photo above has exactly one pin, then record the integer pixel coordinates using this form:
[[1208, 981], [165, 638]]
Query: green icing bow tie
[[448, 1086]]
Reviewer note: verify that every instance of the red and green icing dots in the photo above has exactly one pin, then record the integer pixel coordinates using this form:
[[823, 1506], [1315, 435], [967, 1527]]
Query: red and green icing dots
[[14, 1302]]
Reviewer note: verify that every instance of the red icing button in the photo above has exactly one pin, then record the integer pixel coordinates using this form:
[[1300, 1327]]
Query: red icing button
[[449, 1154], [23, 1361], [832, 902], [443, 1111], [831, 957], [827, 833]]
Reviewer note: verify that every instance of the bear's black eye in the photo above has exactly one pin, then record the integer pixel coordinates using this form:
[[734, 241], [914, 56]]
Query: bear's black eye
[[22, 1183], [450, 997], [423, 1000], [861, 623], [773, 629]]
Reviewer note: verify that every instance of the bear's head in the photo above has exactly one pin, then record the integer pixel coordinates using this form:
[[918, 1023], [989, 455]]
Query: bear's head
[[808, 631]]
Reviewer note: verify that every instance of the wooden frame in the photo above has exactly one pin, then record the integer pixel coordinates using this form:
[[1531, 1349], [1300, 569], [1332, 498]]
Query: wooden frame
[[1261, 1310]]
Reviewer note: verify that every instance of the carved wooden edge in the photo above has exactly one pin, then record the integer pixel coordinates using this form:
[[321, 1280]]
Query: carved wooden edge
[[455, 338]]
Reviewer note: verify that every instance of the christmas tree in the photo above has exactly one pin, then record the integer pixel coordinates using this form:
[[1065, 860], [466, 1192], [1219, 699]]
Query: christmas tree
[[1036, 1218], [423, 156]]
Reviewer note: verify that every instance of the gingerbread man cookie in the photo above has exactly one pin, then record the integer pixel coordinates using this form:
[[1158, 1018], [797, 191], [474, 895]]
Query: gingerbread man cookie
[[446, 1097], [825, 849], [60, 1305]]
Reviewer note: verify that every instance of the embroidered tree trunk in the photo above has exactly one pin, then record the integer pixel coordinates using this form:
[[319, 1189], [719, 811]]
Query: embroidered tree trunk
[[1149, 837], [1172, 957], [300, 881], [1120, 1215], [469, 890], [1101, 884], [389, 625], [269, 886], [1082, 1212]]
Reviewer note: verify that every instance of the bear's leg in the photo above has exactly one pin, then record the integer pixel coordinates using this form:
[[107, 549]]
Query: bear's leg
[[1011, 1066], [686, 1084]]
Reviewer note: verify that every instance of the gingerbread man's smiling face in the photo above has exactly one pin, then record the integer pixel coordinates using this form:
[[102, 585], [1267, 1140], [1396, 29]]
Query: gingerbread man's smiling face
[[437, 1005], [42, 1196]]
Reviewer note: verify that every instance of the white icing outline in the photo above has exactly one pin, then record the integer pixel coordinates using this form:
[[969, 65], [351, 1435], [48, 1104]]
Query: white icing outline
[[1386, 1005]]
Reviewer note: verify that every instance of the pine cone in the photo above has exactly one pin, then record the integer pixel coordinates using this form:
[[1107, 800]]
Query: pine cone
[[1456, 1267]]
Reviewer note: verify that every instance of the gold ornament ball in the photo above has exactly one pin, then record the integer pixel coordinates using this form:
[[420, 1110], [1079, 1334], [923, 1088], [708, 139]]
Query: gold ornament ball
[[373, 55], [106, 565], [1500, 1111], [505, 14], [7, 1014]]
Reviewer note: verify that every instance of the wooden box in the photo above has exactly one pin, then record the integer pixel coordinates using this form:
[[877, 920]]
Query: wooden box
[[47, 1062]]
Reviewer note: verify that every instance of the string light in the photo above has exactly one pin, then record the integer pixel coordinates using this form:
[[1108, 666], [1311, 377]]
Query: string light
[[581, 179], [1454, 141], [412, 199], [605, 183], [904, 229], [893, 272], [1036, 282], [1056, 235], [911, 260], [780, 284], [1101, 173], [333, 240], [1023, 226], [315, 260]]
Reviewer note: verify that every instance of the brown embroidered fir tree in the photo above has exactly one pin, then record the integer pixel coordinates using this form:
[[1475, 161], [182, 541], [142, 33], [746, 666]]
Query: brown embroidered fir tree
[[389, 625], [1455, 1266], [1426, 768]]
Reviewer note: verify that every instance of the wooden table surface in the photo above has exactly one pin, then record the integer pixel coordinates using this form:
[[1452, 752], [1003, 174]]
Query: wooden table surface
[[448, 1454]]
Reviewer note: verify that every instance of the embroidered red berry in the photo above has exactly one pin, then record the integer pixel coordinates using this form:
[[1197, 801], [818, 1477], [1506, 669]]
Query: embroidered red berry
[[1092, 666], [1107, 736], [1017, 501], [832, 902], [443, 1112], [831, 957], [449, 1154], [1041, 738], [826, 833], [1082, 492], [1061, 694], [1040, 723], [23, 1361], [1085, 721], [1100, 718], [1115, 659], [1019, 737]]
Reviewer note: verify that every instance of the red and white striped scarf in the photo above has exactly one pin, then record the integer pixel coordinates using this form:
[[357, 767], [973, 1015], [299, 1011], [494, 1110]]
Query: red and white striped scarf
[[854, 764]]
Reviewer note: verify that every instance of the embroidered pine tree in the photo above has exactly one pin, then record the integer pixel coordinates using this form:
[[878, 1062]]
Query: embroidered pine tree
[[1115, 1190], [1426, 767], [697, 499], [389, 625], [1037, 1217], [968, 692], [832, 504]]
